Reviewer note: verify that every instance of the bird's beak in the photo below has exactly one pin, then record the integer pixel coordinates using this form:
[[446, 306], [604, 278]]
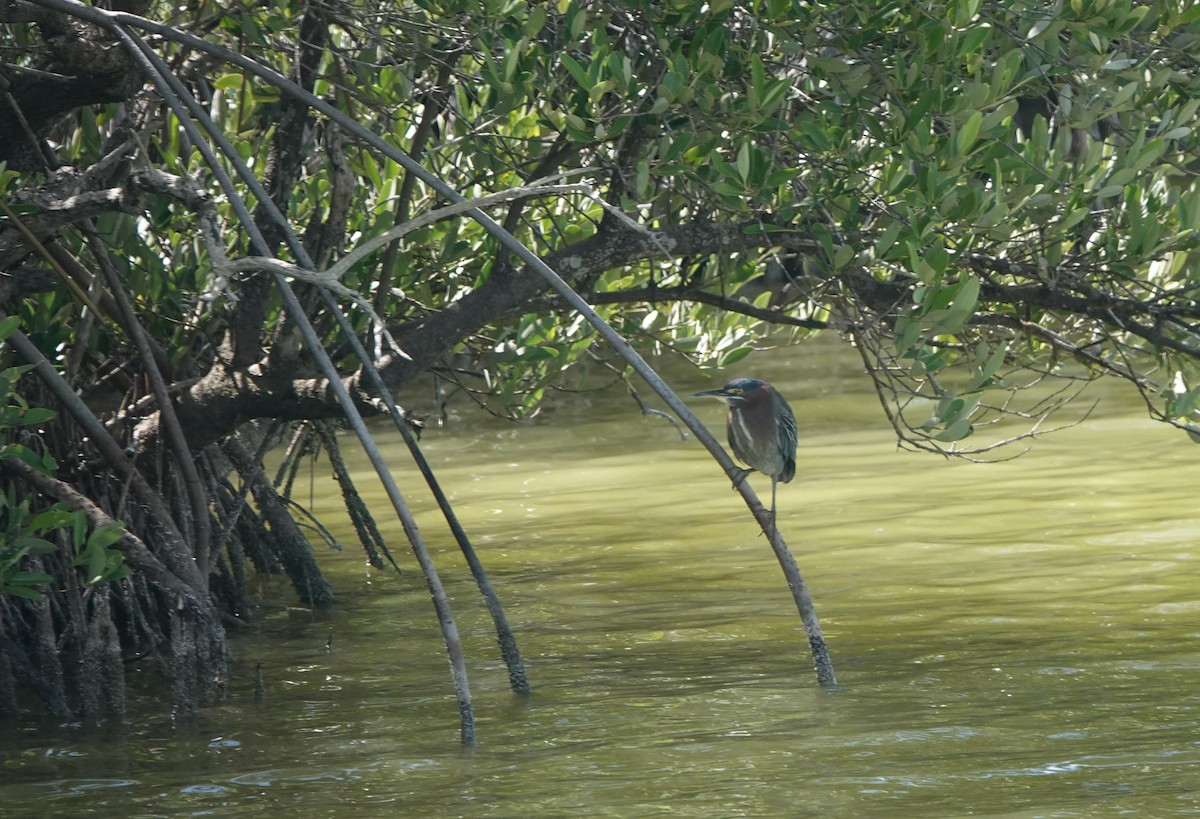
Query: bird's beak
[[717, 393]]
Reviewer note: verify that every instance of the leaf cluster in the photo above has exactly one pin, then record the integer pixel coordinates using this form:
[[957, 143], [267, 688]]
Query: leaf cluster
[[26, 531], [934, 175]]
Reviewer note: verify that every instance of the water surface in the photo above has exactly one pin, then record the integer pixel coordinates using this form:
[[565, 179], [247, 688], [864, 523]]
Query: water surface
[[1011, 639]]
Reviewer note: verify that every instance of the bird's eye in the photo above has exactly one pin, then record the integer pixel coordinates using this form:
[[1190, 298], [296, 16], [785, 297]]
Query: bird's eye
[[736, 390]]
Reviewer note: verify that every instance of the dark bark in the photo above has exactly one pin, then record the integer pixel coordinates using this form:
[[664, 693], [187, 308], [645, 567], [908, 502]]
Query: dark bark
[[293, 133], [369, 536], [434, 102], [295, 553], [225, 398], [507, 292], [81, 65]]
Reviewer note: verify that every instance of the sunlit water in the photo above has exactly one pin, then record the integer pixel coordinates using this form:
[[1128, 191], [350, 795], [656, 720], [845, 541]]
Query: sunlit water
[[1012, 639]]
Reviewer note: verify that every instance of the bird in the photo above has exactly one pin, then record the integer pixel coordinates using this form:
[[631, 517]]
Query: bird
[[761, 429]]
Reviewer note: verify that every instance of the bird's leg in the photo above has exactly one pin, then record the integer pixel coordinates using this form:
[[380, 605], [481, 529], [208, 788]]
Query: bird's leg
[[773, 526], [741, 476]]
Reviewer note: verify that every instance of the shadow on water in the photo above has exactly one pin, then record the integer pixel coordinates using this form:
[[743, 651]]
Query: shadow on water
[[1014, 639]]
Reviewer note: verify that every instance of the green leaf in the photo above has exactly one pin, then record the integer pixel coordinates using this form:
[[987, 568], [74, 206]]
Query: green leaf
[[735, 355], [107, 535], [228, 82], [725, 169], [8, 326], [29, 578], [908, 330], [34, 545], [950, 408], [79, 531], [22, 591], [535, 22], [53, 518], [758, 79], [983, 378], [1121, 178], [825, 239], [967, 296], [956, 432], [773, 94], [1152, 151], [886, 239], [938, 257], [97, 559], [1123, 95], [743, 162], [830, 65], [969, 132], [37, 415], [925, 271], [577, 71]]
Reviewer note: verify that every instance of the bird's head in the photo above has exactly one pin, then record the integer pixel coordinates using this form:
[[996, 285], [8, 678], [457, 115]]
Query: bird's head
[[738, 392]]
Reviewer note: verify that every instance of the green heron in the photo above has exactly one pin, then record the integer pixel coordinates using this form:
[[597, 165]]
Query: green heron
[[761, 429]]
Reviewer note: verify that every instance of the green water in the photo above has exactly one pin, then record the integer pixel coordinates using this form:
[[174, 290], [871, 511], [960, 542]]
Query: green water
[[1013, 639]]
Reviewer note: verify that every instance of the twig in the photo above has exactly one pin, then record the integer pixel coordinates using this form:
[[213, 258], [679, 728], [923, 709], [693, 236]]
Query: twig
[[633, 393]]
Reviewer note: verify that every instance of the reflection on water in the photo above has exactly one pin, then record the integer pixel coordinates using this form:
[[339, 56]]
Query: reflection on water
[[1012, 639]]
